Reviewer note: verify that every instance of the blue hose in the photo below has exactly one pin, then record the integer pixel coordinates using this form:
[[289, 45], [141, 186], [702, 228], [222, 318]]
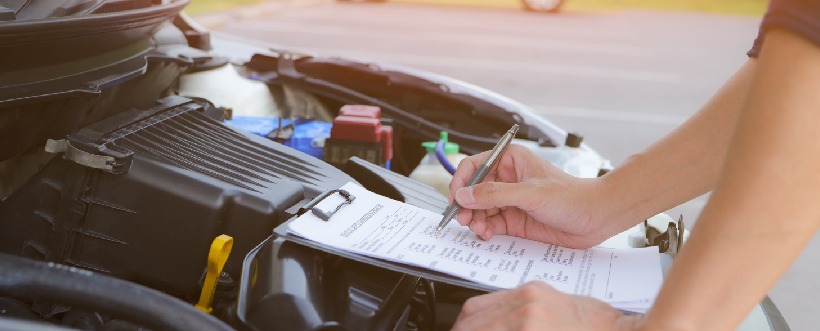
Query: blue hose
[[442, 158]]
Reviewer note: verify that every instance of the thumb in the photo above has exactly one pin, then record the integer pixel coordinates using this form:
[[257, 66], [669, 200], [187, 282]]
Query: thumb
[[495, 195]]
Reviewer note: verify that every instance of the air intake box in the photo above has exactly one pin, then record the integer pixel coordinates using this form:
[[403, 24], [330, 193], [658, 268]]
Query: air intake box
[[141, 195]]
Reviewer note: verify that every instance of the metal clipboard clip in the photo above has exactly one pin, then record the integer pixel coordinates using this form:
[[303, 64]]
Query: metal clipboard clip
[[325, 216]]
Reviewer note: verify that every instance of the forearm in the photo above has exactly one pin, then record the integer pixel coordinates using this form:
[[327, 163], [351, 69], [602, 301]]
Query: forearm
[[682, 165], [763, 210]]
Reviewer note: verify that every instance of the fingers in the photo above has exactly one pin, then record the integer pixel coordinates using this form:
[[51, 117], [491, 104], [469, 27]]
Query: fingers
[[514, 162], [482, 225], [496, 318], [496, 195], [465, 170], [501, 189], [464, 216], [510, 309], [480, 303]]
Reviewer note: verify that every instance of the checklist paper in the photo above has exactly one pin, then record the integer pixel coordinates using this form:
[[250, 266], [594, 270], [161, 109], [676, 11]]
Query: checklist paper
[[376, 226]]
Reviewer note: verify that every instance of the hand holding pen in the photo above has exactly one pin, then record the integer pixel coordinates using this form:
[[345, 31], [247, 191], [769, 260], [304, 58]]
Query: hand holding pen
[[479, 175], [525, 196]]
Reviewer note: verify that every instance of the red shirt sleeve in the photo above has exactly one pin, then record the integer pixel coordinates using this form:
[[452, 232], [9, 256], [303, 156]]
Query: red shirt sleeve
[[801, 17]]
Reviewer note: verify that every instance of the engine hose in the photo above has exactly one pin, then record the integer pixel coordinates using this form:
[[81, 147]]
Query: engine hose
[[443, 158], [28, 279]]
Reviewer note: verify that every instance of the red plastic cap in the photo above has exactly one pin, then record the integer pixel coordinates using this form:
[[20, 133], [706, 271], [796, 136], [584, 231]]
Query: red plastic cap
[[361, 111], [356, 128], [386, 133]]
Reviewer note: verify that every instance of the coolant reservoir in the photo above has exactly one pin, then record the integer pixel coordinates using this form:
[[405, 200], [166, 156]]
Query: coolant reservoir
[[431, 172], [571, 157]]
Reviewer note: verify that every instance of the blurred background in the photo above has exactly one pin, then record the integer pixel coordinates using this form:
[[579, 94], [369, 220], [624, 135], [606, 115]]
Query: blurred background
[[621, 73], [738, 7]]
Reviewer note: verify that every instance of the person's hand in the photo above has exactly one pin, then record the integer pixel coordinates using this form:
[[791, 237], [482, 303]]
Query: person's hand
[[526, 196], [538, 306]]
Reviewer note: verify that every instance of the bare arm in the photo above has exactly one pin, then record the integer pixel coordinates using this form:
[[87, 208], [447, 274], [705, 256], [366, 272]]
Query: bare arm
[[762, 213], [526, 197], [682, 165], [764, 209]]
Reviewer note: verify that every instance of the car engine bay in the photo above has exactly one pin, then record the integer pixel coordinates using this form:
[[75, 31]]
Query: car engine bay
[[128, 153]]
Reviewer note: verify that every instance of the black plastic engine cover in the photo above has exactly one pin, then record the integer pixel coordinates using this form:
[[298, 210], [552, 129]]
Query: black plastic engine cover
[[291, 287], [288, 286], [158, 186]]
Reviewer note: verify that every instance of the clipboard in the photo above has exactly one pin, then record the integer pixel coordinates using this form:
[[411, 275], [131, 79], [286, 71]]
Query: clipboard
[[635, 282], [282, 232]]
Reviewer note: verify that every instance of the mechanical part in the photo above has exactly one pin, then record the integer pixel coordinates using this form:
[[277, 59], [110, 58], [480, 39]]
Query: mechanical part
[[304, 135], [573, 140], [82, 320], [670, 240], [197, 36], [30, 41], [17, 309], [437, 166], [411, 98], [177, 179], [358, 131], [441, 150], [12, 324], [287, 286], [225, 295], [6, 14], [26, 278], [225, 88], [324, 291]]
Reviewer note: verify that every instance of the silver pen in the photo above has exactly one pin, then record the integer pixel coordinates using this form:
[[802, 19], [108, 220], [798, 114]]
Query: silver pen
[[479, 175]]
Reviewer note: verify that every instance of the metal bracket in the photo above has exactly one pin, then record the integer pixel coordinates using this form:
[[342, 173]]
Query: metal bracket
[[670, 241]]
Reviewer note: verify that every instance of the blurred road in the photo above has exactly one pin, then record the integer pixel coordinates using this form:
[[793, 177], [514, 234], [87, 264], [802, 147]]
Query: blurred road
[[622, 80]]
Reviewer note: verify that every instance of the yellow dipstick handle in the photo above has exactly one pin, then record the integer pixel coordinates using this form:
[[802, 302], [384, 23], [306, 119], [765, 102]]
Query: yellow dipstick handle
[[220, 249]]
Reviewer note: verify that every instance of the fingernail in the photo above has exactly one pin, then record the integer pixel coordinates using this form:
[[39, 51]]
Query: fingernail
[[465, 195]]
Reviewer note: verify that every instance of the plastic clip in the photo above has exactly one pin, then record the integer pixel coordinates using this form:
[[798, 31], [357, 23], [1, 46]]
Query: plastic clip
[[326, 216]]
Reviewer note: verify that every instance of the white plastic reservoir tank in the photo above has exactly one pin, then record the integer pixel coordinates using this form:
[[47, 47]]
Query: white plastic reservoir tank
[[431, 172]]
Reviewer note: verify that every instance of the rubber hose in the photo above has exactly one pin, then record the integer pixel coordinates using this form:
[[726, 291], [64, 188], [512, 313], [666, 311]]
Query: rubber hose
[[28, 279], [443, 158]]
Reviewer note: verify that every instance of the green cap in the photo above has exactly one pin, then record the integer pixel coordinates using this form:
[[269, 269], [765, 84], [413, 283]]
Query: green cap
[[449, 148]]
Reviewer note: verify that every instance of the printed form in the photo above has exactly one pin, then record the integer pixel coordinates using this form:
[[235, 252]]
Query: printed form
[[380, 227]]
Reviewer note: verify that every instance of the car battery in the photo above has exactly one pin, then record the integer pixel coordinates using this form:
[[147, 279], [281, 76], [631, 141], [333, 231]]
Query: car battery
[[358, 131], [302, 134]]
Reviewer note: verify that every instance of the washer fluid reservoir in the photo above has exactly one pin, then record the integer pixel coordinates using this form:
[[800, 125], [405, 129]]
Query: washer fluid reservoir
[[431, 172]]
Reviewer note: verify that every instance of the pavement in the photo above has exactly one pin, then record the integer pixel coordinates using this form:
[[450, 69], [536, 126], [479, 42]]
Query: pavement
[[266, 8]]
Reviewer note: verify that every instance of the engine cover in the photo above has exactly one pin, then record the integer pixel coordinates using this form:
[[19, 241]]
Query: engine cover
[[142, 195]]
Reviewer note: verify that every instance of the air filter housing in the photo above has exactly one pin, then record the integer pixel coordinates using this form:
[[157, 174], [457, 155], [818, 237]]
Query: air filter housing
[[141, 195]]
